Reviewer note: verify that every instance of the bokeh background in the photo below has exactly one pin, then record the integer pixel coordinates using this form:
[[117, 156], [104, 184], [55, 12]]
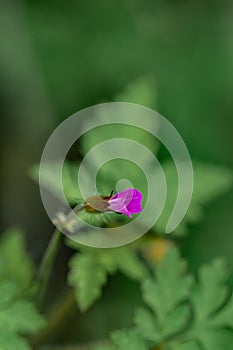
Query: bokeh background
[[58, 57]]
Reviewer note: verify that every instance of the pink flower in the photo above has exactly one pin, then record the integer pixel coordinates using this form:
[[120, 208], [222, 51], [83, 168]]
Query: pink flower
[[127, 202]]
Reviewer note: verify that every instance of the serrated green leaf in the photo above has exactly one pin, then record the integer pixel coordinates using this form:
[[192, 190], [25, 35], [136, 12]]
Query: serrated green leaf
[[147, 325], [209, 182], [176, 321], [92, 266], [128, 340], [20, 316], [180, 317], [17, 318], [211, 292], [87, 275], [49, 179], [211, 312], [8, 290], [171, 286], [128, 263], [217, 339], [9, 341], [15, 263], [164, 295], [224, 318]]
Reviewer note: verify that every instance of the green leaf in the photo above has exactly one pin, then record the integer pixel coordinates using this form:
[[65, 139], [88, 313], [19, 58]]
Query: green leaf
[[8, 290], [91, 267], [164, 295], [209, 182], [147, 325], [51, 182], [128, 340], [87, 276], [224, 318], [20, 316], [15, 264], [211, 292], [142, 91], [176, 320], [211, 310], [170, 287], [17, 317], [9, 341], [128, 263], [217, 339], [178, 317]]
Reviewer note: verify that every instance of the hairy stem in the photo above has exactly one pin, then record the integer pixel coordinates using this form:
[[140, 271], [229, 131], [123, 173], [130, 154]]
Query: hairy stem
[[47, 264]]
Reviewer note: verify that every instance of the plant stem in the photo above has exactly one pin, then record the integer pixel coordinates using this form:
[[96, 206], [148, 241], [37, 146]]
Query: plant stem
[[47, 264]]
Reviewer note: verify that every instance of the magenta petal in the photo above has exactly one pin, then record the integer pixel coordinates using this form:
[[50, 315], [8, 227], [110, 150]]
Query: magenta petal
[[126, 202], [126, 196], [125, 211], [135, 209], [116, 204]]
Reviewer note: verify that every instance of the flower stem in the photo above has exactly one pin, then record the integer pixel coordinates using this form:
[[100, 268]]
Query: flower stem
[[47, 264]]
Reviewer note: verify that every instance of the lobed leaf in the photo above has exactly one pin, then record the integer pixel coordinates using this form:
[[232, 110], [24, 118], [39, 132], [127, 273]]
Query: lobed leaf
[[92, 267], [15, 263], [209, 182]]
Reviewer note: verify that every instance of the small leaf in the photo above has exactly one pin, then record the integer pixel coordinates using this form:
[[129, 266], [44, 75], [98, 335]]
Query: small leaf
[[211, 292], [20, 316], [9, 341], [209, 182], [217, 339], [8, 291], [92, 266], [87, 276], [176, 320], [224, 317], [147, 325], [17, 317], [142, 91], [128, 263], [15, 264], [171, 286], [51, 182], [128, 340]]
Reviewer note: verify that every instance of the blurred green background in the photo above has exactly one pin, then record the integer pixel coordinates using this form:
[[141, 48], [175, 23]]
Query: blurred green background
[[58, 57]]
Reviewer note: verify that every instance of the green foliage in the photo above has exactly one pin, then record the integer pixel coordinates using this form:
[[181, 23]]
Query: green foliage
[[128, 340], [18, 316], [180, 314], [164, 295], [209, 182], [15, 263], [125, 340], [89, 270], [50, 180], [142, 91]]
